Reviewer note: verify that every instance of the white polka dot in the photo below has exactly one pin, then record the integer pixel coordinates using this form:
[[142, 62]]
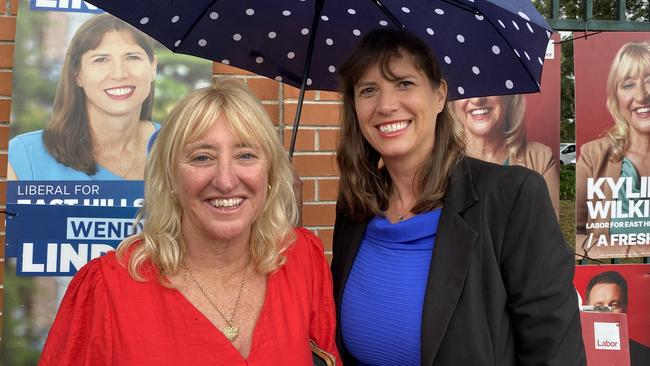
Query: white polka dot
[[203, 42], [502, 25], [430, 31], [272, 35], [509, 84], [447, 60], [460, 38], [356, 32], [475, 70], [331, 69], [259, 59], [144, 20], [517, 52], [309, 81], [352, 11], [324, 18], [530, 28], [523, 15], [479, 17], [236, 37], [383, 23], [439, 11], [515, 24], [461, 91], [540, 61], [286, 13], [329, 41], [214, 15], [177, 43], [526, 54], [405, 10], [291, 55], [225, 61], [304, 31], [278, 78], [175, 18], [250, 11], [496, 50]]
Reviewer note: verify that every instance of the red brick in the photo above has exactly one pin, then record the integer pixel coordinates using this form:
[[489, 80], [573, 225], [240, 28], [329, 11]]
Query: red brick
[[327, 140], [5, 83], [264, 88], [3, 166], [3, 7], [274, 112], [305, 141], [14, 7], [6, 55], [327, 95], [313, 114], [219, 68], [318, 215], [308, 190], [316, 165], [328, 189], [5, 109], [4, 139], [7, 28], [325, 236], [291, 92]]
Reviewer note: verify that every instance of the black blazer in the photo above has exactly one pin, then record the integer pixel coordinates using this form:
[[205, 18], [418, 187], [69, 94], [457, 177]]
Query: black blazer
[[500, 289]]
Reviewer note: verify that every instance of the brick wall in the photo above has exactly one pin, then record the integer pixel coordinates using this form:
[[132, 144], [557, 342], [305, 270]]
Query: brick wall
[[314, 157], [8, 10]]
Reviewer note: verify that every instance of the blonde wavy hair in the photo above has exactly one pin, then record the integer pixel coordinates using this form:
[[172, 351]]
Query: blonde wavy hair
[[160, 241], [514, 127], [631, 59]]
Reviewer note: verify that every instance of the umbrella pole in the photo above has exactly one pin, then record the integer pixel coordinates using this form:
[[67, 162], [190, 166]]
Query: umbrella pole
[[318, 8]]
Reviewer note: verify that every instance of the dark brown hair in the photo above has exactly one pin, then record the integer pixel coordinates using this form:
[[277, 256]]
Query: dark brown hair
[[67, 135], [365, 184]]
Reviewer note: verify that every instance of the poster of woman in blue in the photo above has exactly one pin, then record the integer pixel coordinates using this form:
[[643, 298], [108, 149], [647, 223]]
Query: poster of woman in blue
[[89, 93], [612, 78]]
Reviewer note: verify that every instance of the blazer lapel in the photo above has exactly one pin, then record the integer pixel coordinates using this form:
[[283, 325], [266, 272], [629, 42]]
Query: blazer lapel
[[449, 262]]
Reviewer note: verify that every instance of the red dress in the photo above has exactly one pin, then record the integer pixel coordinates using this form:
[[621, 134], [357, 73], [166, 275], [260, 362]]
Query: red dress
[[107, 318]]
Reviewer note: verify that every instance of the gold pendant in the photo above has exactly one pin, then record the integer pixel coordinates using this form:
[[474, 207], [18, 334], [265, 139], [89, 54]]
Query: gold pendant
[[231, 333]]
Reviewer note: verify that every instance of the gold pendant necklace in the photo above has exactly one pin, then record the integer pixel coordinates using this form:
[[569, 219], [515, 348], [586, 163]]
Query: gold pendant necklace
[[231, 332]]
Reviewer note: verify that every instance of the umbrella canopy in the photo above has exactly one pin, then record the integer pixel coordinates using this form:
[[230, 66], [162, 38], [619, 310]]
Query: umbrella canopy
[[485, 47]]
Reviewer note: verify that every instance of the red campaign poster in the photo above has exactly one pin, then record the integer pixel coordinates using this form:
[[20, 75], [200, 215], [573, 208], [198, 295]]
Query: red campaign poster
[[626, 289], [612, 128], [520, 129]]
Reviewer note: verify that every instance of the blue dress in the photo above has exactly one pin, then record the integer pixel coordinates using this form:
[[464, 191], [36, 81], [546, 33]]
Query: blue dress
[[381, 310], [30, 160]]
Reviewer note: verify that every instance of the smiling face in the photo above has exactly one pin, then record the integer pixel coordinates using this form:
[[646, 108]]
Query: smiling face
[[482, 117], [398, 117], [116, 76], [221, 185], [607, 294], [633, 95]]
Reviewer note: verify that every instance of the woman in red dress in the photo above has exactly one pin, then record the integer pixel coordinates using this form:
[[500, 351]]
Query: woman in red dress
[[218, 275]]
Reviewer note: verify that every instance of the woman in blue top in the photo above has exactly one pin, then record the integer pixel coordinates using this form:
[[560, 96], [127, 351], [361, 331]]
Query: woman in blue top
[[100, 123], [439, 259]]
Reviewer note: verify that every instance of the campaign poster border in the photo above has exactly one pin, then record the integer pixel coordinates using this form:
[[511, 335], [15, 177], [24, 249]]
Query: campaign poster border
[[637, 277], [65, 223], [595, 199]]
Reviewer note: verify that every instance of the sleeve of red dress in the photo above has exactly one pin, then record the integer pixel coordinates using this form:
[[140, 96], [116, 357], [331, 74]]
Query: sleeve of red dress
[[81, 333], [323, 317]]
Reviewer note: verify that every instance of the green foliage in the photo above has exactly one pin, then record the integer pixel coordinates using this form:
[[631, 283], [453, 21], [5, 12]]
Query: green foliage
[[568, 182]]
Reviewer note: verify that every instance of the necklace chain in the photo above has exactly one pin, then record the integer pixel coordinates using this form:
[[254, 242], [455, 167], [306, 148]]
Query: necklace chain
[[231, 332]]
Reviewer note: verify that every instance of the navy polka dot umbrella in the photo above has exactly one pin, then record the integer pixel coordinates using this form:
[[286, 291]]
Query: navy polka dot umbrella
[[485, 47]]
